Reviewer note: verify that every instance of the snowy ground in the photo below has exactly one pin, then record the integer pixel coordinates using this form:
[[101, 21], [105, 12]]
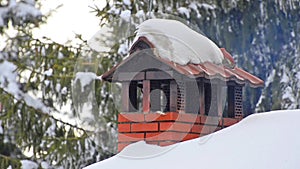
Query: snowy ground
[[260, 141]]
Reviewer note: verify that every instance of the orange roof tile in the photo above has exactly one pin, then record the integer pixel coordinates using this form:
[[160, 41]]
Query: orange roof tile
[[207, 70]]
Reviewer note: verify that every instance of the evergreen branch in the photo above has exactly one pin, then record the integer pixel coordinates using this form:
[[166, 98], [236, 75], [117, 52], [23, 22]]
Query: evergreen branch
[[74, 48], [9, 158], [47, 114], [66, 138], [65, 123], [42, 74]]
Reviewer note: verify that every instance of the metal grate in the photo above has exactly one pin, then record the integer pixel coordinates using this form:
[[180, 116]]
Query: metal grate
[[180, 96], [238, 100]]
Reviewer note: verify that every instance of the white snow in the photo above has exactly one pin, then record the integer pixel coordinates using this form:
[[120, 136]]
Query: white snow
[[49, 72], [270, 78], [140, 14], [35, 103], [184, 11], [284, 78], [125, 15], [123, 49], [260, 141], [114, 10], [8, 77], [194, 7], [12, 3], [178, 43], [60, 55], [290, 98], [207, 6], [47, 83], [127, 2], [8, 82], [85, 78], [288, 94], [51, 130], [298, 79], [148, 150], [229, 29], [20, 11], [261, 98], [169, 9], [45, 165], [58, 87], [27, 164], [64, 90], [293, 34], [23, 10]]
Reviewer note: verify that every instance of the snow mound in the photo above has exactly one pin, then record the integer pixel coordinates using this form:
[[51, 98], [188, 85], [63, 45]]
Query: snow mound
[[148, 150], [260, 141], [178, 43]]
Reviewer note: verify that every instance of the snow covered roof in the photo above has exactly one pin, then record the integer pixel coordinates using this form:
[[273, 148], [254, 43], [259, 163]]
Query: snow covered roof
[[186, 52], [260, 141], [176, 42], [207, 70]]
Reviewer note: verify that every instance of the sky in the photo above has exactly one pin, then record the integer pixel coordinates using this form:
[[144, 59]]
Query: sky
[[73, 17]]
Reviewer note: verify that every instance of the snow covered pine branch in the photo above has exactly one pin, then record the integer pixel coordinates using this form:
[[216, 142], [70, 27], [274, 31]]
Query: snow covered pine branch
[[19, 13]]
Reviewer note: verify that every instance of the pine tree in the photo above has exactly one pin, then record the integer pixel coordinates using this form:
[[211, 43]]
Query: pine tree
[[35, 83]]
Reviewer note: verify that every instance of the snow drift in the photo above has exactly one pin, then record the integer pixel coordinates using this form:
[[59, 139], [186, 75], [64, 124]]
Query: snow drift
[[178, 43], [260, 141]]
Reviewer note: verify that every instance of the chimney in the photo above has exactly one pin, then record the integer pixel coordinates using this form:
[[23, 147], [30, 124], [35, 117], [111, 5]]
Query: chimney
[[166, 129], [165, 103]]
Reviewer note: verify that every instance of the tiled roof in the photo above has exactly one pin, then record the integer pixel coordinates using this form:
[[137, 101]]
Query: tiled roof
[[208, 70]]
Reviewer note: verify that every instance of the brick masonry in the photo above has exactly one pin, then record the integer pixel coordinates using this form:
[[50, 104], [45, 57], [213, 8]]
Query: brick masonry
[[166, 129]]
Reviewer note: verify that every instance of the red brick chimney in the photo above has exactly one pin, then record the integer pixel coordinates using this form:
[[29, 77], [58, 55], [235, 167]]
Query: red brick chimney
[[167, 129], [178, 102]]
